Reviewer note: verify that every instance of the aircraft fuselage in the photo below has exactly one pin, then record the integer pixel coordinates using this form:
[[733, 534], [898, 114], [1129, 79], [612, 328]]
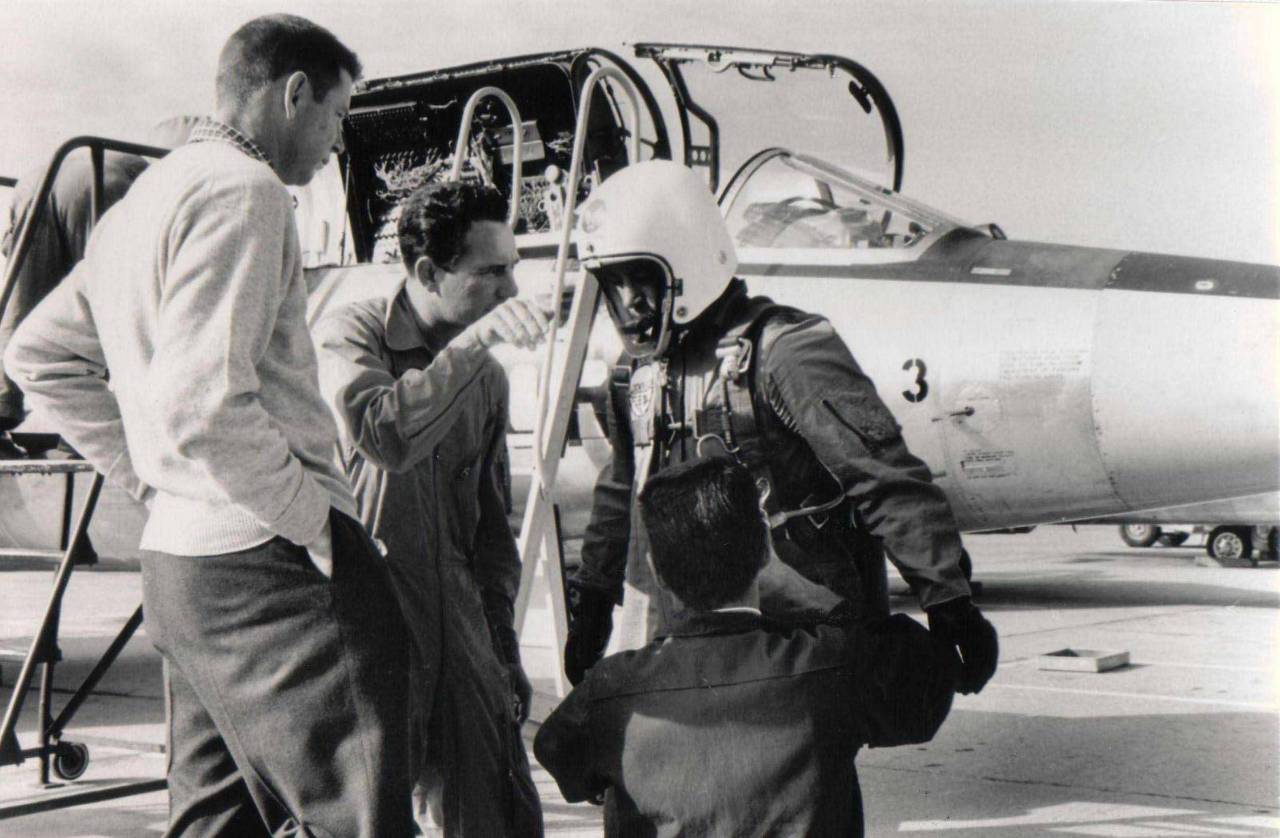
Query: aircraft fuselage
[[1040, 382], [1049, 383]]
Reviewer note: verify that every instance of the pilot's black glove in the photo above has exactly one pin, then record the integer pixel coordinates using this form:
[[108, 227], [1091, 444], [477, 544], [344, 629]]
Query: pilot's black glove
[[590, 624], [960, 623]]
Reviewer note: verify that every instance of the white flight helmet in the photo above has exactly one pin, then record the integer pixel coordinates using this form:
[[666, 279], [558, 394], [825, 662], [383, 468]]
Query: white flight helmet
[[656, 222]]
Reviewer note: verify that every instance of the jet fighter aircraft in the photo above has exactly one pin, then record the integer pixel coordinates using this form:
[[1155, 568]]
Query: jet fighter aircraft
[[1040, 382]]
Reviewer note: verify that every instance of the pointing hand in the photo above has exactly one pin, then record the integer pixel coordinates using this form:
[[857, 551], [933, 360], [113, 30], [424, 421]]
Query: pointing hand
[[515, 321]]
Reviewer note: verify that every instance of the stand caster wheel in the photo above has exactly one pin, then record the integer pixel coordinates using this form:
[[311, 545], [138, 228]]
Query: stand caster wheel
[[71, 760]]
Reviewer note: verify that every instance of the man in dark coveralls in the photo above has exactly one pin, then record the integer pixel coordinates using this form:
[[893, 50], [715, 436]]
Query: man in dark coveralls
[[422, 416], [729, 724], [716, 371], [59, 238]]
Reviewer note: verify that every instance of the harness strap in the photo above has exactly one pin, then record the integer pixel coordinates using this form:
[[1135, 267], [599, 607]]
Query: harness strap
[[733, 421], [777, 519], [734, 424]]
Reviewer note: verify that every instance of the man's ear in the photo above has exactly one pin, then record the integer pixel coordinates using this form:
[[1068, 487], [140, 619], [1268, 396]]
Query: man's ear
[[424, 270], [295, 87], [653, 568]]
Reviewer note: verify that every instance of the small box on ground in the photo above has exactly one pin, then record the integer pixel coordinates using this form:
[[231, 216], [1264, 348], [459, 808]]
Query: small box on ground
[[1083, 660]]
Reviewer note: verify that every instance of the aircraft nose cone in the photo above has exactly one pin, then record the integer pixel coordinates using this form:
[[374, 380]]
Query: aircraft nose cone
[[1186, 402]]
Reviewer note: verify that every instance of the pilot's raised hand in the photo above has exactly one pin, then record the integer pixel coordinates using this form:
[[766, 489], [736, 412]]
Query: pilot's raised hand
[[518, 322], [959, 622]]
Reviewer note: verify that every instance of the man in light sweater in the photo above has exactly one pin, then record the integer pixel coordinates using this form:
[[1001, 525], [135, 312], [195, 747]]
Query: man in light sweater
[[285, 650]]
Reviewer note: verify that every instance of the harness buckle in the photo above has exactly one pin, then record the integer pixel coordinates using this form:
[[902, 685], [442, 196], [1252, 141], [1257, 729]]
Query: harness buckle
[[735, 359]]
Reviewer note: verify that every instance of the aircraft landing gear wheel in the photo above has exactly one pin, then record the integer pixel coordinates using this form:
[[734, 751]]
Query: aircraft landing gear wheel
[[1173, 539], [1139, 535], [71, 760], [1231, 544]]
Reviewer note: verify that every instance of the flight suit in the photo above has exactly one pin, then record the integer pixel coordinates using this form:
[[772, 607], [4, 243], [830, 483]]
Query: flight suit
[[57, 244], [823, 431], [423, 441]]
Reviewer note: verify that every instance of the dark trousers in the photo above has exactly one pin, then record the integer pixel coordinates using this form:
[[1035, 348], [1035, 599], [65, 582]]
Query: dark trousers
[[287, 691]]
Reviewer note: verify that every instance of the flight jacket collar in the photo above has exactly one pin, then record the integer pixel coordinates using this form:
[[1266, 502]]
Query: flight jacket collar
[[704, 623]]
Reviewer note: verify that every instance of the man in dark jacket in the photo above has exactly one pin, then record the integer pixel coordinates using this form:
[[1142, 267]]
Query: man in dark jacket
[[729, 724], [717, 371]]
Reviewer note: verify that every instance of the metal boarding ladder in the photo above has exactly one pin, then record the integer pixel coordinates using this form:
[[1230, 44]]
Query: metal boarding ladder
[[517, 153], [557, 385], [68, 759]]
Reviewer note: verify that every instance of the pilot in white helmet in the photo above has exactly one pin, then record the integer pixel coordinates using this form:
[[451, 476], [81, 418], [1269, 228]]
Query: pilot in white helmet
[[713, 371]]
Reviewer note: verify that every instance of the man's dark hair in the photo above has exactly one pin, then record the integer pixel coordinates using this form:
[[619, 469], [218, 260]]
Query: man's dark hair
[[435, 219], [271, 46], [706, 535]]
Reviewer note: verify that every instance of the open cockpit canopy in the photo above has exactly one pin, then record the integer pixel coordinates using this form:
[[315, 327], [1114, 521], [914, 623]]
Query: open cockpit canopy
[[713, 108], [731, 102]]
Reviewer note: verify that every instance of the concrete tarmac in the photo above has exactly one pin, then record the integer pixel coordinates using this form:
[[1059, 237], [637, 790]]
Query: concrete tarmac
[[1181, 742]]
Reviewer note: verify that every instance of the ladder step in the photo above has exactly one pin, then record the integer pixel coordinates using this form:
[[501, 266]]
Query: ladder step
[[30, 553]]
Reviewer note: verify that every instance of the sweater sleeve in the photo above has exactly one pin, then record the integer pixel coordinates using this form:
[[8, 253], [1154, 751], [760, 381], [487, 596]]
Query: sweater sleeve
[[231, 251], [56, 357]]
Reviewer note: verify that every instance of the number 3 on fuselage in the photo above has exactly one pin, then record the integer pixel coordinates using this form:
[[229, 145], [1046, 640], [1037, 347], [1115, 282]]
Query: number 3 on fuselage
[[921, 391]]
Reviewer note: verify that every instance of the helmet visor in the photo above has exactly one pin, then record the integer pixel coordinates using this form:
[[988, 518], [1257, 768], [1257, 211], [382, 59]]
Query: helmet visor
[[637, 292]]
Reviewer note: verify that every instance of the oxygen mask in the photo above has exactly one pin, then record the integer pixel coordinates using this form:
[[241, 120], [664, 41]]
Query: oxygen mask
[[637, 293]]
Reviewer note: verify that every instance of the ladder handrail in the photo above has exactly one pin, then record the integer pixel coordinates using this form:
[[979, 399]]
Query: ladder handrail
[[517, 139], [96, 146], [566, 232], [538, 539]]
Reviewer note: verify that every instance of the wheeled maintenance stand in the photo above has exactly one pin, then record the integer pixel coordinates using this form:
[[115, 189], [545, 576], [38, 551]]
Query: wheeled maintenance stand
[[67, 759]]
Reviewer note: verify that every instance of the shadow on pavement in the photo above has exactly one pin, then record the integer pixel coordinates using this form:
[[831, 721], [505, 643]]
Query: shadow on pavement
[[1214, 764]]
